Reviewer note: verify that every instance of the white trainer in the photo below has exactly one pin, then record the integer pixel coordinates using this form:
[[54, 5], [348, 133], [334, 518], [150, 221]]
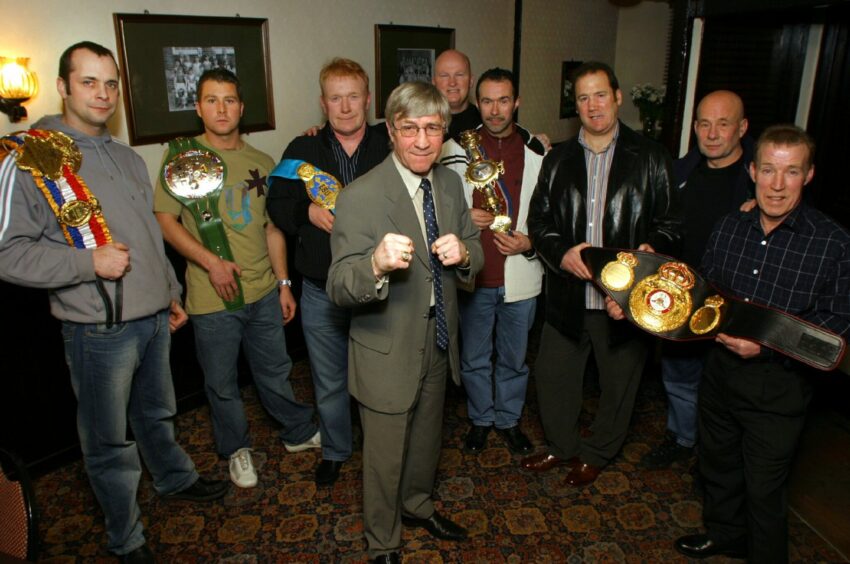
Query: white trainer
[[242, 471], [313, 442]]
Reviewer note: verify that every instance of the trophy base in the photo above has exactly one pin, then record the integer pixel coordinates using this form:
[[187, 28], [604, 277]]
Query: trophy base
[[501, 224]]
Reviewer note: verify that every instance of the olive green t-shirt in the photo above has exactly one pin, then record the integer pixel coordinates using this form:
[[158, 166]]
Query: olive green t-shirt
[[242, 207]]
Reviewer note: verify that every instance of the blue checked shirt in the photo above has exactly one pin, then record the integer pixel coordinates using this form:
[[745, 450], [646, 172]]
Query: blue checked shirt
[[802, 267]]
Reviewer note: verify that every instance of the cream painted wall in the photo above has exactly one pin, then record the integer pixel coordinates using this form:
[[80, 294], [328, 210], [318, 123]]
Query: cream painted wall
[[304, 34], [641, 51], [554, 31]]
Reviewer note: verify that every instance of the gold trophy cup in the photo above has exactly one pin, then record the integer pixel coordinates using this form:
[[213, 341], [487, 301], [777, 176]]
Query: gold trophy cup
[[482, 174]]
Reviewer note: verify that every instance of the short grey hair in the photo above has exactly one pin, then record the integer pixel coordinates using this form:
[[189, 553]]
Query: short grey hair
[[417, 99]]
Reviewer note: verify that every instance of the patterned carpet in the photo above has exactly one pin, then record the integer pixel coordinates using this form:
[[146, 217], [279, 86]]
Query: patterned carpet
[[627, 515]]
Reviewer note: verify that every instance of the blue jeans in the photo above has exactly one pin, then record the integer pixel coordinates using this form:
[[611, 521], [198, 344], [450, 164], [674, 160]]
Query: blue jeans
[[681, 376], [494, 395], [258, 327], [122, 375], [325, 327]]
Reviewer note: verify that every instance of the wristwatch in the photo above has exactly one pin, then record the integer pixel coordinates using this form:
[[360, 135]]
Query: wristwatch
[[284, 282]]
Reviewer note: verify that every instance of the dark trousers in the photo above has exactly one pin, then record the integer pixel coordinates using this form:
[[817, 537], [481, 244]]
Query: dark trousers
[[559, 372], [751, 414]]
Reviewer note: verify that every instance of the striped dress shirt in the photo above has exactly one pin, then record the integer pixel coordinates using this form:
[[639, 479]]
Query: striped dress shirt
[[598, 167]]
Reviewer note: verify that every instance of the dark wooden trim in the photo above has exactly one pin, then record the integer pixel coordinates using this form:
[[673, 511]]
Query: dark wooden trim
[[684, 12], [517, 47]]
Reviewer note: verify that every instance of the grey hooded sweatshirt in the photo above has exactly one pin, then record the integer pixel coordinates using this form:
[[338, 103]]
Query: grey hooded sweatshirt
[[33, 250]]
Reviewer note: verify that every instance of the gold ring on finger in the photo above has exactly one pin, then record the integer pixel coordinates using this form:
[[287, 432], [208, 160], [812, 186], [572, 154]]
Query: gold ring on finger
[[405, 256]]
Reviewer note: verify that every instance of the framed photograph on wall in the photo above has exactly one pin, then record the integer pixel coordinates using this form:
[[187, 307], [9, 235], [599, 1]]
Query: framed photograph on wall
[[404, 53], [568, 97], [162, 57]]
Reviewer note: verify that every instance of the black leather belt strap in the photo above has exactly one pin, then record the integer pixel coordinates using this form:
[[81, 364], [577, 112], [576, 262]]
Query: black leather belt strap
[[775, 329], [114, 311]]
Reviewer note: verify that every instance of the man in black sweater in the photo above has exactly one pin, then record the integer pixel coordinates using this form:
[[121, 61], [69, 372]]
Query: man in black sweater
[[712, 179], [346, 147]]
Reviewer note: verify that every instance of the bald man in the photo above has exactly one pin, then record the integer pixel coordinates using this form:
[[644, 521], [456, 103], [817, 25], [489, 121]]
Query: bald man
[[713, 180], [453, 78]]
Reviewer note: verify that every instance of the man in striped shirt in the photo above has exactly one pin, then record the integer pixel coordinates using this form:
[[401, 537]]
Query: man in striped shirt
[[347, 147], [610, 187]]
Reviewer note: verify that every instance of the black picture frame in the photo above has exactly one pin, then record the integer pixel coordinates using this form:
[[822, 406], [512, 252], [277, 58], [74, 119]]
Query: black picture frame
[[154, 115], [392, 43], [568, 98]]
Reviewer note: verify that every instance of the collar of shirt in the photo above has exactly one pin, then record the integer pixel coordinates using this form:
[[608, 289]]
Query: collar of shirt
[[330, 136], [411, 180], [583, 143], [796, 220]]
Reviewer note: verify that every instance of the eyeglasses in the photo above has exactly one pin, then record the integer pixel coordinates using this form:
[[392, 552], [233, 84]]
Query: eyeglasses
[[412, 130]]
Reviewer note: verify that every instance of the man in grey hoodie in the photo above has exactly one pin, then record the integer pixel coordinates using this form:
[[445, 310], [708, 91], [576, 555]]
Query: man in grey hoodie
[[109, 282]]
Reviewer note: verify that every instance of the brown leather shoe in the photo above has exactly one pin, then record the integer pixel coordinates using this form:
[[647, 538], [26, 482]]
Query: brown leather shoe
[[544, 461], [582, 474]]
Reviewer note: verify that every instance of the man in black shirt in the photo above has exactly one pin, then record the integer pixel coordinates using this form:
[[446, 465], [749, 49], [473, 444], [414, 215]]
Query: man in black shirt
[[346, 147], [713, 179], [752, 401], [453, 78]]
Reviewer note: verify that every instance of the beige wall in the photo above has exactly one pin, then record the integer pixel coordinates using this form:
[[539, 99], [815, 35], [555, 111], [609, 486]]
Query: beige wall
[[554, 31], [641, 51], [304, 34]]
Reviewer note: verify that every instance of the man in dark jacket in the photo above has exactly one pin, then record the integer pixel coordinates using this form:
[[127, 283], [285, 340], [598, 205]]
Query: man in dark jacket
[[609, 187], [346, 147], [713, 179]]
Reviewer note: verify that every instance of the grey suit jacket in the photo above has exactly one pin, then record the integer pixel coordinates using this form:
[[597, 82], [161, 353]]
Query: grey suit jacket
[[388, 326]]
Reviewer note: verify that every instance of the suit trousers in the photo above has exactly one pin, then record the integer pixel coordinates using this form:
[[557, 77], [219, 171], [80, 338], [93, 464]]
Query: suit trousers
[[400, 455], [751, 414], [559, 373]]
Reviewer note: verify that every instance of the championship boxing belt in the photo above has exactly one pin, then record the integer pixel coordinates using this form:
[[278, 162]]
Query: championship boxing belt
[[194, 175], [322, 187], [671, 300], [484, 175], [53, 160]]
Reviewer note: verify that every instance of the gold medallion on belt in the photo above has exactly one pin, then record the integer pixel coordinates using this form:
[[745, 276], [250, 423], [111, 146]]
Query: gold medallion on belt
[[661, 302], [619, 275]]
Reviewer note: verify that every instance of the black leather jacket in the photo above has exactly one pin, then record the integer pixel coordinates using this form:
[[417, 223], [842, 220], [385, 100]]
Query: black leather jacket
[[641, 207]]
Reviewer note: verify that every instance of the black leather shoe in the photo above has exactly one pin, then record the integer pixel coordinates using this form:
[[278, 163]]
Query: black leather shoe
[[700, 546], [202, 490], [388, 558], [438, 526], [666, 454], [517, 442], [476, 438], [141, 555], [327, 472]]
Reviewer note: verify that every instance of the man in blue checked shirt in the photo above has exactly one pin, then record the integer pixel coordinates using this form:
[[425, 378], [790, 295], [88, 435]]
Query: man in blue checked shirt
[[787, 256]]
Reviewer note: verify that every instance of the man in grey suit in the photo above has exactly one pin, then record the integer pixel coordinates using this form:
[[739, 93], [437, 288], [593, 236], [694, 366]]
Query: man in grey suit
[[402, 239]]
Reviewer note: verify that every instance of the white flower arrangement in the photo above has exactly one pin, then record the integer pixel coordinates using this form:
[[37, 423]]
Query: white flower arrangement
[[650, 103], [647, 94]]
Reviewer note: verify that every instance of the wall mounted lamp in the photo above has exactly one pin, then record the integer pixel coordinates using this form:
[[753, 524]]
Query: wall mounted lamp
[[17, 85]]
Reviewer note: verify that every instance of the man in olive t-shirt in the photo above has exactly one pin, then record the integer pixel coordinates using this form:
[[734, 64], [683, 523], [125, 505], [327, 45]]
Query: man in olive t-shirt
[[259, 261]]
